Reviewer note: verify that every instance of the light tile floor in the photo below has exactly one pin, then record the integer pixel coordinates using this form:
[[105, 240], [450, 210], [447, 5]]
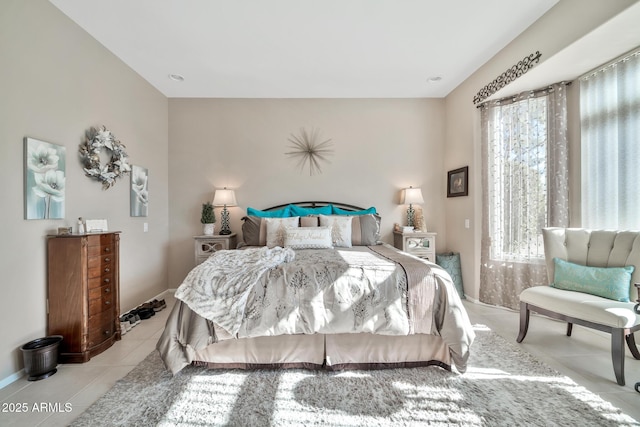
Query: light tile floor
[[584, 357]]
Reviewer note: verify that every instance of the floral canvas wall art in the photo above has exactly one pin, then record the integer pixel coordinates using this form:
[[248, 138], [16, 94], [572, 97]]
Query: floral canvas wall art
[[45, 166], [139, 191]]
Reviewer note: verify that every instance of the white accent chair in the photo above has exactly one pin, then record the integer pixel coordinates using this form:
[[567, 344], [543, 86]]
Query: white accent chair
[[596, 249]]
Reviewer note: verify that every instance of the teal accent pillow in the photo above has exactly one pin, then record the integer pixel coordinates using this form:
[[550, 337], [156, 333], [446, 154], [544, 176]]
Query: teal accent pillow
[[280, 213], [300, 211], [607, 282], [338, 211]]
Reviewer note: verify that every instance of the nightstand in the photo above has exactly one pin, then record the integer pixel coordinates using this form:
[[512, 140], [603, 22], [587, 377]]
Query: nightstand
[[207, 245], [418, 243]]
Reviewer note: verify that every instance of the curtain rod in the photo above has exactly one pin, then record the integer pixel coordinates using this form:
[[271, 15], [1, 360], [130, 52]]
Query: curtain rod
[[514, 98]]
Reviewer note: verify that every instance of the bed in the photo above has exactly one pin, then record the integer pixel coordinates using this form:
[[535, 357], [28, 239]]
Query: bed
[[311, 286]]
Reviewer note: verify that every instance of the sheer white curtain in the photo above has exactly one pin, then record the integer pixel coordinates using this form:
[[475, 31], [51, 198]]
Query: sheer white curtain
[[525, 188], [610, 132]]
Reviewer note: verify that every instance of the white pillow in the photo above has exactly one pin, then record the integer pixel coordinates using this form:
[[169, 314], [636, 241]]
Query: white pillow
[[308, 238], [276, 229], [340, 227]]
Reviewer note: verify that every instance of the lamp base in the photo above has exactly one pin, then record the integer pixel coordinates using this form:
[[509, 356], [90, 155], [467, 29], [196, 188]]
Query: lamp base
[[224, 230], [410, 216]]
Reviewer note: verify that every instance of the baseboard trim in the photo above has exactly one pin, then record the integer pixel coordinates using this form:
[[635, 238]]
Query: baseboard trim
[[159, 296], [12, 378], [163, 293]]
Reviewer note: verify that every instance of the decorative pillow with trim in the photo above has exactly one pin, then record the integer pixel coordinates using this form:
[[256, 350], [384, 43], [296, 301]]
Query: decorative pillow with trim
[[308, 238], [607, 282], [276, 229], [280, 213], [340, 229]]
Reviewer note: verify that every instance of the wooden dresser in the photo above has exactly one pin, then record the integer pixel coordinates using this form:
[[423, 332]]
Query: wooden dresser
[[83, 303]]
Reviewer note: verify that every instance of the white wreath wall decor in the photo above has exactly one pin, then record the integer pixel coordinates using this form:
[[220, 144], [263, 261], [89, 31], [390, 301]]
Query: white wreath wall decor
[[102, 139]]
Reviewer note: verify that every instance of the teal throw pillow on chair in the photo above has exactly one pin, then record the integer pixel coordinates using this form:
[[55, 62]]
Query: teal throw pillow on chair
[[607, 282]]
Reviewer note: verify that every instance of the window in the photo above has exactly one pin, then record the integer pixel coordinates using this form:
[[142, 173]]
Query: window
[[517, 178], [525, 188], [610, 133]]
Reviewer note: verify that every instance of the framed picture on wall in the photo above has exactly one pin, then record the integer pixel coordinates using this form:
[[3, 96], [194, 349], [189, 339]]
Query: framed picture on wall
[[458, 182], [139, 191], [44, 179]]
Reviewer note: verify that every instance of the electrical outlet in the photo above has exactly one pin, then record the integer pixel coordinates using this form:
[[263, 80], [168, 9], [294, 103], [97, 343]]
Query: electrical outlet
[[145, 227], [467, 223]]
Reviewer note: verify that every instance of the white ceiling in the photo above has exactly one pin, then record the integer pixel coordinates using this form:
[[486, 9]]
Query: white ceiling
[[304, 48]]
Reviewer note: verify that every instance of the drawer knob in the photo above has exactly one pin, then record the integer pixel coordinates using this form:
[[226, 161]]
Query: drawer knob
[[106, 270], [107, 259], [107, 280], [107, 249], [107, 333], [107, 303], [107, 290]]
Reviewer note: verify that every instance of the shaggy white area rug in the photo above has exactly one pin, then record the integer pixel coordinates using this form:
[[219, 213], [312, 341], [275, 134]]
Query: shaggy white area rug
[[504, 386]]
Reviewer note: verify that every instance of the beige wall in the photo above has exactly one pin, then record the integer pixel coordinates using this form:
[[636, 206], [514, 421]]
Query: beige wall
[[556, 30], [57, 82], [381, 146]]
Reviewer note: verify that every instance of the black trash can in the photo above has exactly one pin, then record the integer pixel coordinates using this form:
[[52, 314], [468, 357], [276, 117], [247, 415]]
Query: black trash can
[[41, 357]]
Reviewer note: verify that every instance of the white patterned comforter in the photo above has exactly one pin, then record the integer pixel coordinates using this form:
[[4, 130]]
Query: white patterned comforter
[[265, 292]]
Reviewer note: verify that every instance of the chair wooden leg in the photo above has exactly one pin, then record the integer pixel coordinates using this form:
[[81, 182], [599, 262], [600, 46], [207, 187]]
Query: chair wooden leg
[[569, 329], [631, 342], [524, 321], [617, 354]]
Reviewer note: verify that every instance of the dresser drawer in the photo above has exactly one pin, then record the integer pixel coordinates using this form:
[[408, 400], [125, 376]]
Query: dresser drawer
[[102, 303], [98, 292], [100, 250], [100, 239], [101, 329], [103, 280], [100, 265]]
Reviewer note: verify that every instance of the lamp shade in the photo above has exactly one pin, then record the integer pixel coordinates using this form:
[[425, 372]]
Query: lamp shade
[[412, 196], [224, 197]]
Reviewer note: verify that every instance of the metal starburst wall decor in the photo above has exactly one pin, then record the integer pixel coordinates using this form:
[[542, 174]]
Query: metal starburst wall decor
[[307, 148]]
